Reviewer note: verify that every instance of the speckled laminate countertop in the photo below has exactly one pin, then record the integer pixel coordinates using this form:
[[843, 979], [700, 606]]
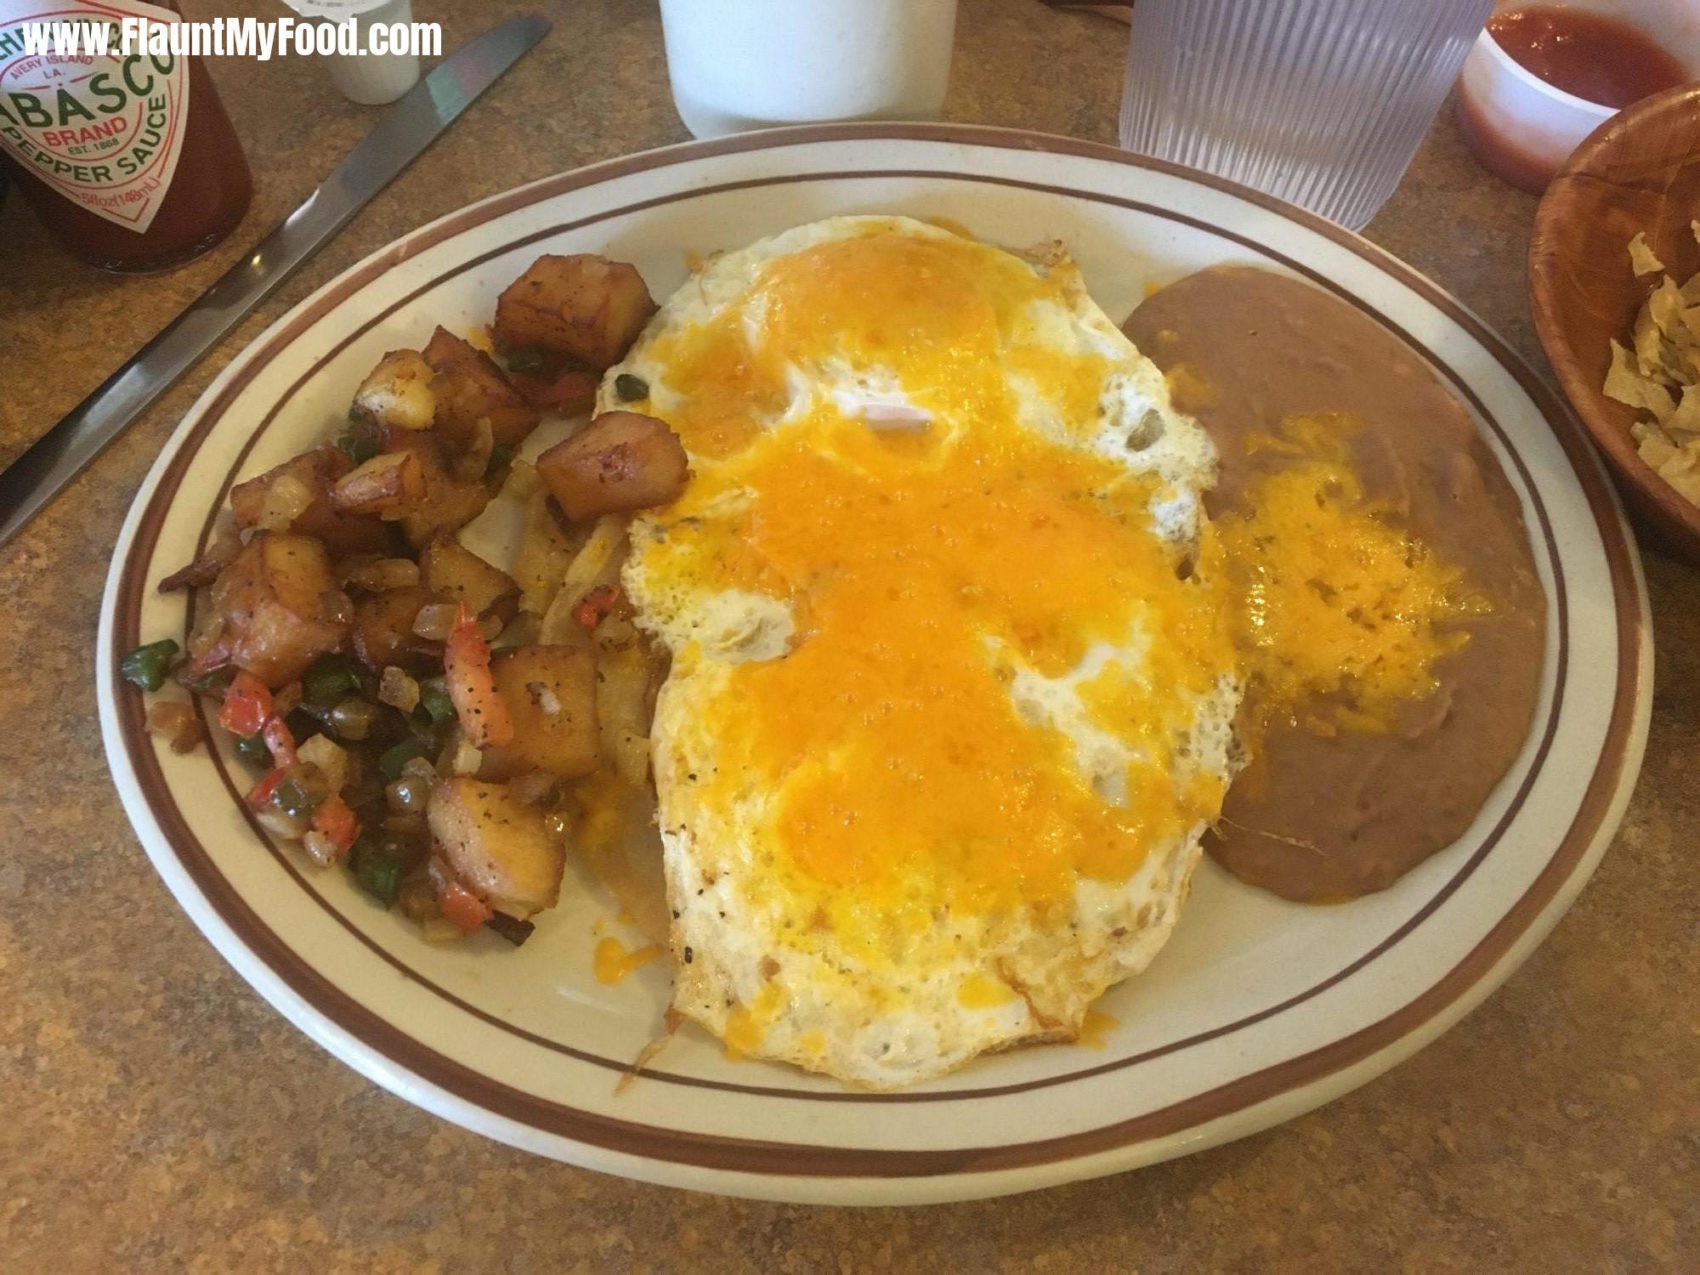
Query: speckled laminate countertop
[[160, 1116]]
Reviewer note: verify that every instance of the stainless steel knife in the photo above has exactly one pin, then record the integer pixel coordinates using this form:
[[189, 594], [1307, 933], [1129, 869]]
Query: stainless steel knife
[[416, 120]]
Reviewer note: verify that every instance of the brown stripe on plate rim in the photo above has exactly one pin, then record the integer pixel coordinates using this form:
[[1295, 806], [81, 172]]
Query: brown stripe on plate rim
[[657, 1074], [765, 1157]]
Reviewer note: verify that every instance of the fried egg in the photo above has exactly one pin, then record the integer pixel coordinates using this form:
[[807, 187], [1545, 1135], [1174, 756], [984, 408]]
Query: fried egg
[[952, 668]]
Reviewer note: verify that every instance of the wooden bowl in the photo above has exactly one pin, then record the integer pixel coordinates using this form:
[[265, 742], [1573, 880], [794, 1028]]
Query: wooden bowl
[[1640, 170]]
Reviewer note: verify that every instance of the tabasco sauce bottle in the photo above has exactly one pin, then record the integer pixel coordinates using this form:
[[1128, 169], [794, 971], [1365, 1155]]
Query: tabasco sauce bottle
[[128, 158]]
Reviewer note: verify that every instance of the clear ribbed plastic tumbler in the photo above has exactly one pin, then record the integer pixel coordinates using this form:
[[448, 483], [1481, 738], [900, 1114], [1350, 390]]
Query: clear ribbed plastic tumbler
[[1321, 102]]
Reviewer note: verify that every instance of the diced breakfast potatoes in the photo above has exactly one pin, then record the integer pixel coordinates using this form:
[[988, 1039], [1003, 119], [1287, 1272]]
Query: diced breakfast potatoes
[[409, 709], [1660, 375]]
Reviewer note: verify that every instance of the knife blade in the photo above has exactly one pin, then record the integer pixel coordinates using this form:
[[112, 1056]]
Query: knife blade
[[400, 136]]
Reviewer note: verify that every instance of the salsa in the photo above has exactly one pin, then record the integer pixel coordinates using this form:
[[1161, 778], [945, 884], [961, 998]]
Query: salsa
[[1594, 57]]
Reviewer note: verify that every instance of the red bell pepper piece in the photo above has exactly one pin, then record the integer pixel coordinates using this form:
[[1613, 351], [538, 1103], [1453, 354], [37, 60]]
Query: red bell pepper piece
[[595, 606], [335, 818], [247, 705]]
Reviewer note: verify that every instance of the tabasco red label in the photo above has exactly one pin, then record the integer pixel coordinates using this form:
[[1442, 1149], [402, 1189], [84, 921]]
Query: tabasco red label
[[102, 128]]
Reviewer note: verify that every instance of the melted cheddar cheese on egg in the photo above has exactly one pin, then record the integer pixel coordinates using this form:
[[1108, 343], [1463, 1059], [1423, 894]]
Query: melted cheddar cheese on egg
[[953, 660]]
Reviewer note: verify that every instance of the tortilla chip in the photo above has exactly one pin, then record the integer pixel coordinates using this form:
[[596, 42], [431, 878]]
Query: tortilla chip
[[1642, 259], [1655, 450], [1684, 422], [1625, 384], [1665, 306], [1647, 337], [1680, 363], [1658, 373]]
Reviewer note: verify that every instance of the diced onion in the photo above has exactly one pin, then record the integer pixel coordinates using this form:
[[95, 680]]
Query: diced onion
[[279, 824], [471, 464], [286, 500], [320, 849], [224, 548], [314, 783], [328, 757], [176, 723], [466, 757], [397, 689], [353, 718], [407, 795], [420, 769], [615, 633], [439, 929], [208, 630], [435, 621]]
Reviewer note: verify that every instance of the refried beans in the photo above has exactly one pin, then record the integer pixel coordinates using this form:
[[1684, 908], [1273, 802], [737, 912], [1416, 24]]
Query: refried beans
[[1394, 623]]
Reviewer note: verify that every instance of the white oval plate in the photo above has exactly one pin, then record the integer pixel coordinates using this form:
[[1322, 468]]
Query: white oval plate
[[1255, 1011]]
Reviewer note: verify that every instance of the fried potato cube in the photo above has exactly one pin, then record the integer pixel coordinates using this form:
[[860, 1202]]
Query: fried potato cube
[[550, 692], [451, 570], [389, 482], [449, 503], [621, 461], [585, 307], [270, 602], [383, 631], [317, 471], [469, 387], [397, 394], [497, 846]]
